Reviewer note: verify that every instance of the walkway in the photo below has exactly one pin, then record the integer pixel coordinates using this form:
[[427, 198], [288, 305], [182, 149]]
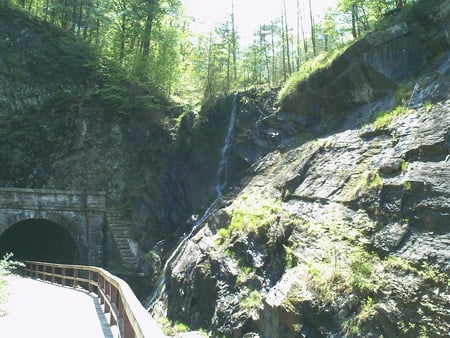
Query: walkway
[[38, 309]]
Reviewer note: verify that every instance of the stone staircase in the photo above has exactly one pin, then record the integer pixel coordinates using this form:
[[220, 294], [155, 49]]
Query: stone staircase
[[121, 237]]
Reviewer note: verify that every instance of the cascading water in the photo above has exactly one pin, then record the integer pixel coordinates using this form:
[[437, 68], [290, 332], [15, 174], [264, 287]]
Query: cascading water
[[220, 184]]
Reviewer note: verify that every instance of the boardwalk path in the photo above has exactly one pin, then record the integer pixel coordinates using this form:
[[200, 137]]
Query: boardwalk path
[[38, 309]]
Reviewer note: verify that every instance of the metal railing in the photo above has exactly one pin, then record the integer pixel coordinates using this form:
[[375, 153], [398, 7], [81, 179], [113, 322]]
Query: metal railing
[[115, 295]]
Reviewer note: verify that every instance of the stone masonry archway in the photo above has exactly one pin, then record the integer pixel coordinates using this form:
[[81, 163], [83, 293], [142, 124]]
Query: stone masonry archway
[[54, 225]]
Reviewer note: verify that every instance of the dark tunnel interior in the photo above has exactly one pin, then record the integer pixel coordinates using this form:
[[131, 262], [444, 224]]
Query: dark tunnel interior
[[39, 240]]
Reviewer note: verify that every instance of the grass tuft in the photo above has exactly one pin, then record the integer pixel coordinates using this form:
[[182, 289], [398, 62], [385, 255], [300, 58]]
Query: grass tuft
[[384, 118]]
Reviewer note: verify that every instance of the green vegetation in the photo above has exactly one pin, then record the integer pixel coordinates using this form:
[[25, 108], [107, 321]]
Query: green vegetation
[[355, 274], [153, 44], [407, 185], [309, 67], [404, 166], [252, 300], [384, 118], [374, 180], [6, 265], [353, 325], [252, 216], [291, 259], [3, 275], [425, 271], [245, 273], [172, 328], [362, 267], [402, 95]]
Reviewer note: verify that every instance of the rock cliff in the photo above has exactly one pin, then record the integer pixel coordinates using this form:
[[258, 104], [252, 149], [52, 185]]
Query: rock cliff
[[338, 220], [342, 226], [63, 126]]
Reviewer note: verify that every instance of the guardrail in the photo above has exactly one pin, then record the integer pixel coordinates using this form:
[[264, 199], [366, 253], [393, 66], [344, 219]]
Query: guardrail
[[115, 294]]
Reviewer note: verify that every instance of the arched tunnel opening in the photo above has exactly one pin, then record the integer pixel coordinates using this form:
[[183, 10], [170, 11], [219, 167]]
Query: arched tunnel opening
[[39, 240]]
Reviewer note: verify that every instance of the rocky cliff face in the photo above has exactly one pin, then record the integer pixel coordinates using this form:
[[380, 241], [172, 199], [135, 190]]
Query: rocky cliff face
[[338, 220], [347, 234], [58, 131]]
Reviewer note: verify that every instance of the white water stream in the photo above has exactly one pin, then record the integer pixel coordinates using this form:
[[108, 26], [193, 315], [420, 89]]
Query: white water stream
[[220, 184]]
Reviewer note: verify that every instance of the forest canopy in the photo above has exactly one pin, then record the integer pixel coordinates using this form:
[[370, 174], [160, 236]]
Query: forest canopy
[[152, 43]]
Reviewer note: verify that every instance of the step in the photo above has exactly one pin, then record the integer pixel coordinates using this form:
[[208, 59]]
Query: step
[[121, 236]]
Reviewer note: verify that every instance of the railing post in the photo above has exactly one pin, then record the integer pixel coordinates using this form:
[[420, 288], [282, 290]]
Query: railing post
[[53, 274], [128, 331], [75, 278], [90, 281], [63, 278], [100, 288], [106, 291], [113, 298]]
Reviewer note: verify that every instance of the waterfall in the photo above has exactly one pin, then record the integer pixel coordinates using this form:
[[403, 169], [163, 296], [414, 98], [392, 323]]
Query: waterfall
[[221, 182]]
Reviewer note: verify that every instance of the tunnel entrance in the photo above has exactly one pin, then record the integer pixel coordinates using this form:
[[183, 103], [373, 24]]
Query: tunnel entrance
[[39, 240]]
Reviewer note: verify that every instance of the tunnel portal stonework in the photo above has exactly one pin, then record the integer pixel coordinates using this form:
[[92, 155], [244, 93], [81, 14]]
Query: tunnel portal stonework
[[81, 214]]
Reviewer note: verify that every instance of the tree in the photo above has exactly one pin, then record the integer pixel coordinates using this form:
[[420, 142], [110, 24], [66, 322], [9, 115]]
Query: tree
[[313, 33], [234, 41]]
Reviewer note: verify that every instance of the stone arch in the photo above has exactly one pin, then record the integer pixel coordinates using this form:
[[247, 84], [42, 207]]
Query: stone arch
[[43, 239], [79, 215]]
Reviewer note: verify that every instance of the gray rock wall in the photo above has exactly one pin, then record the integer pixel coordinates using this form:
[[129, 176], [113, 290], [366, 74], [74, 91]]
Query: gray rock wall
[[345, 234]]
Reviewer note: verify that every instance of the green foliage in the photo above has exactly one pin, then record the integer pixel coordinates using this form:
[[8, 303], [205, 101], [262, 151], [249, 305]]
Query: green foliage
[[353, 325], [251, 216], [425, 270], [362, 267], [142, 36], [245, 273], [428, 106], [308, 68], [404, 166], [6, 266], [374, 180], [252, 301], [172, 328], [402, 95], [431, 274], [384, 118], [291, 259], [152, 43], [407, 185]]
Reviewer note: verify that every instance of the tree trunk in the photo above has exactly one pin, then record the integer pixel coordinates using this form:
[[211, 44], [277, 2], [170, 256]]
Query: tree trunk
[[288, 52], [147, 36], [122, 36], [313, 30], [272, 34], [354, 16], [298, 34], [80, 20], [234, 42], [283, 48]]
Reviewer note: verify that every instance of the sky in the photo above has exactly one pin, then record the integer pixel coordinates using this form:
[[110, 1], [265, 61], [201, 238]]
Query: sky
[[249, 14]]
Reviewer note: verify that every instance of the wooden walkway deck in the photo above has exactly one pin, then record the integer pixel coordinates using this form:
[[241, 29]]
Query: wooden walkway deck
[[36, 309]]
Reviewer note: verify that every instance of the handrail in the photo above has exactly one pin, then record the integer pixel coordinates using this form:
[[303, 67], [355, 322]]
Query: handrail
[[115, 294]]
